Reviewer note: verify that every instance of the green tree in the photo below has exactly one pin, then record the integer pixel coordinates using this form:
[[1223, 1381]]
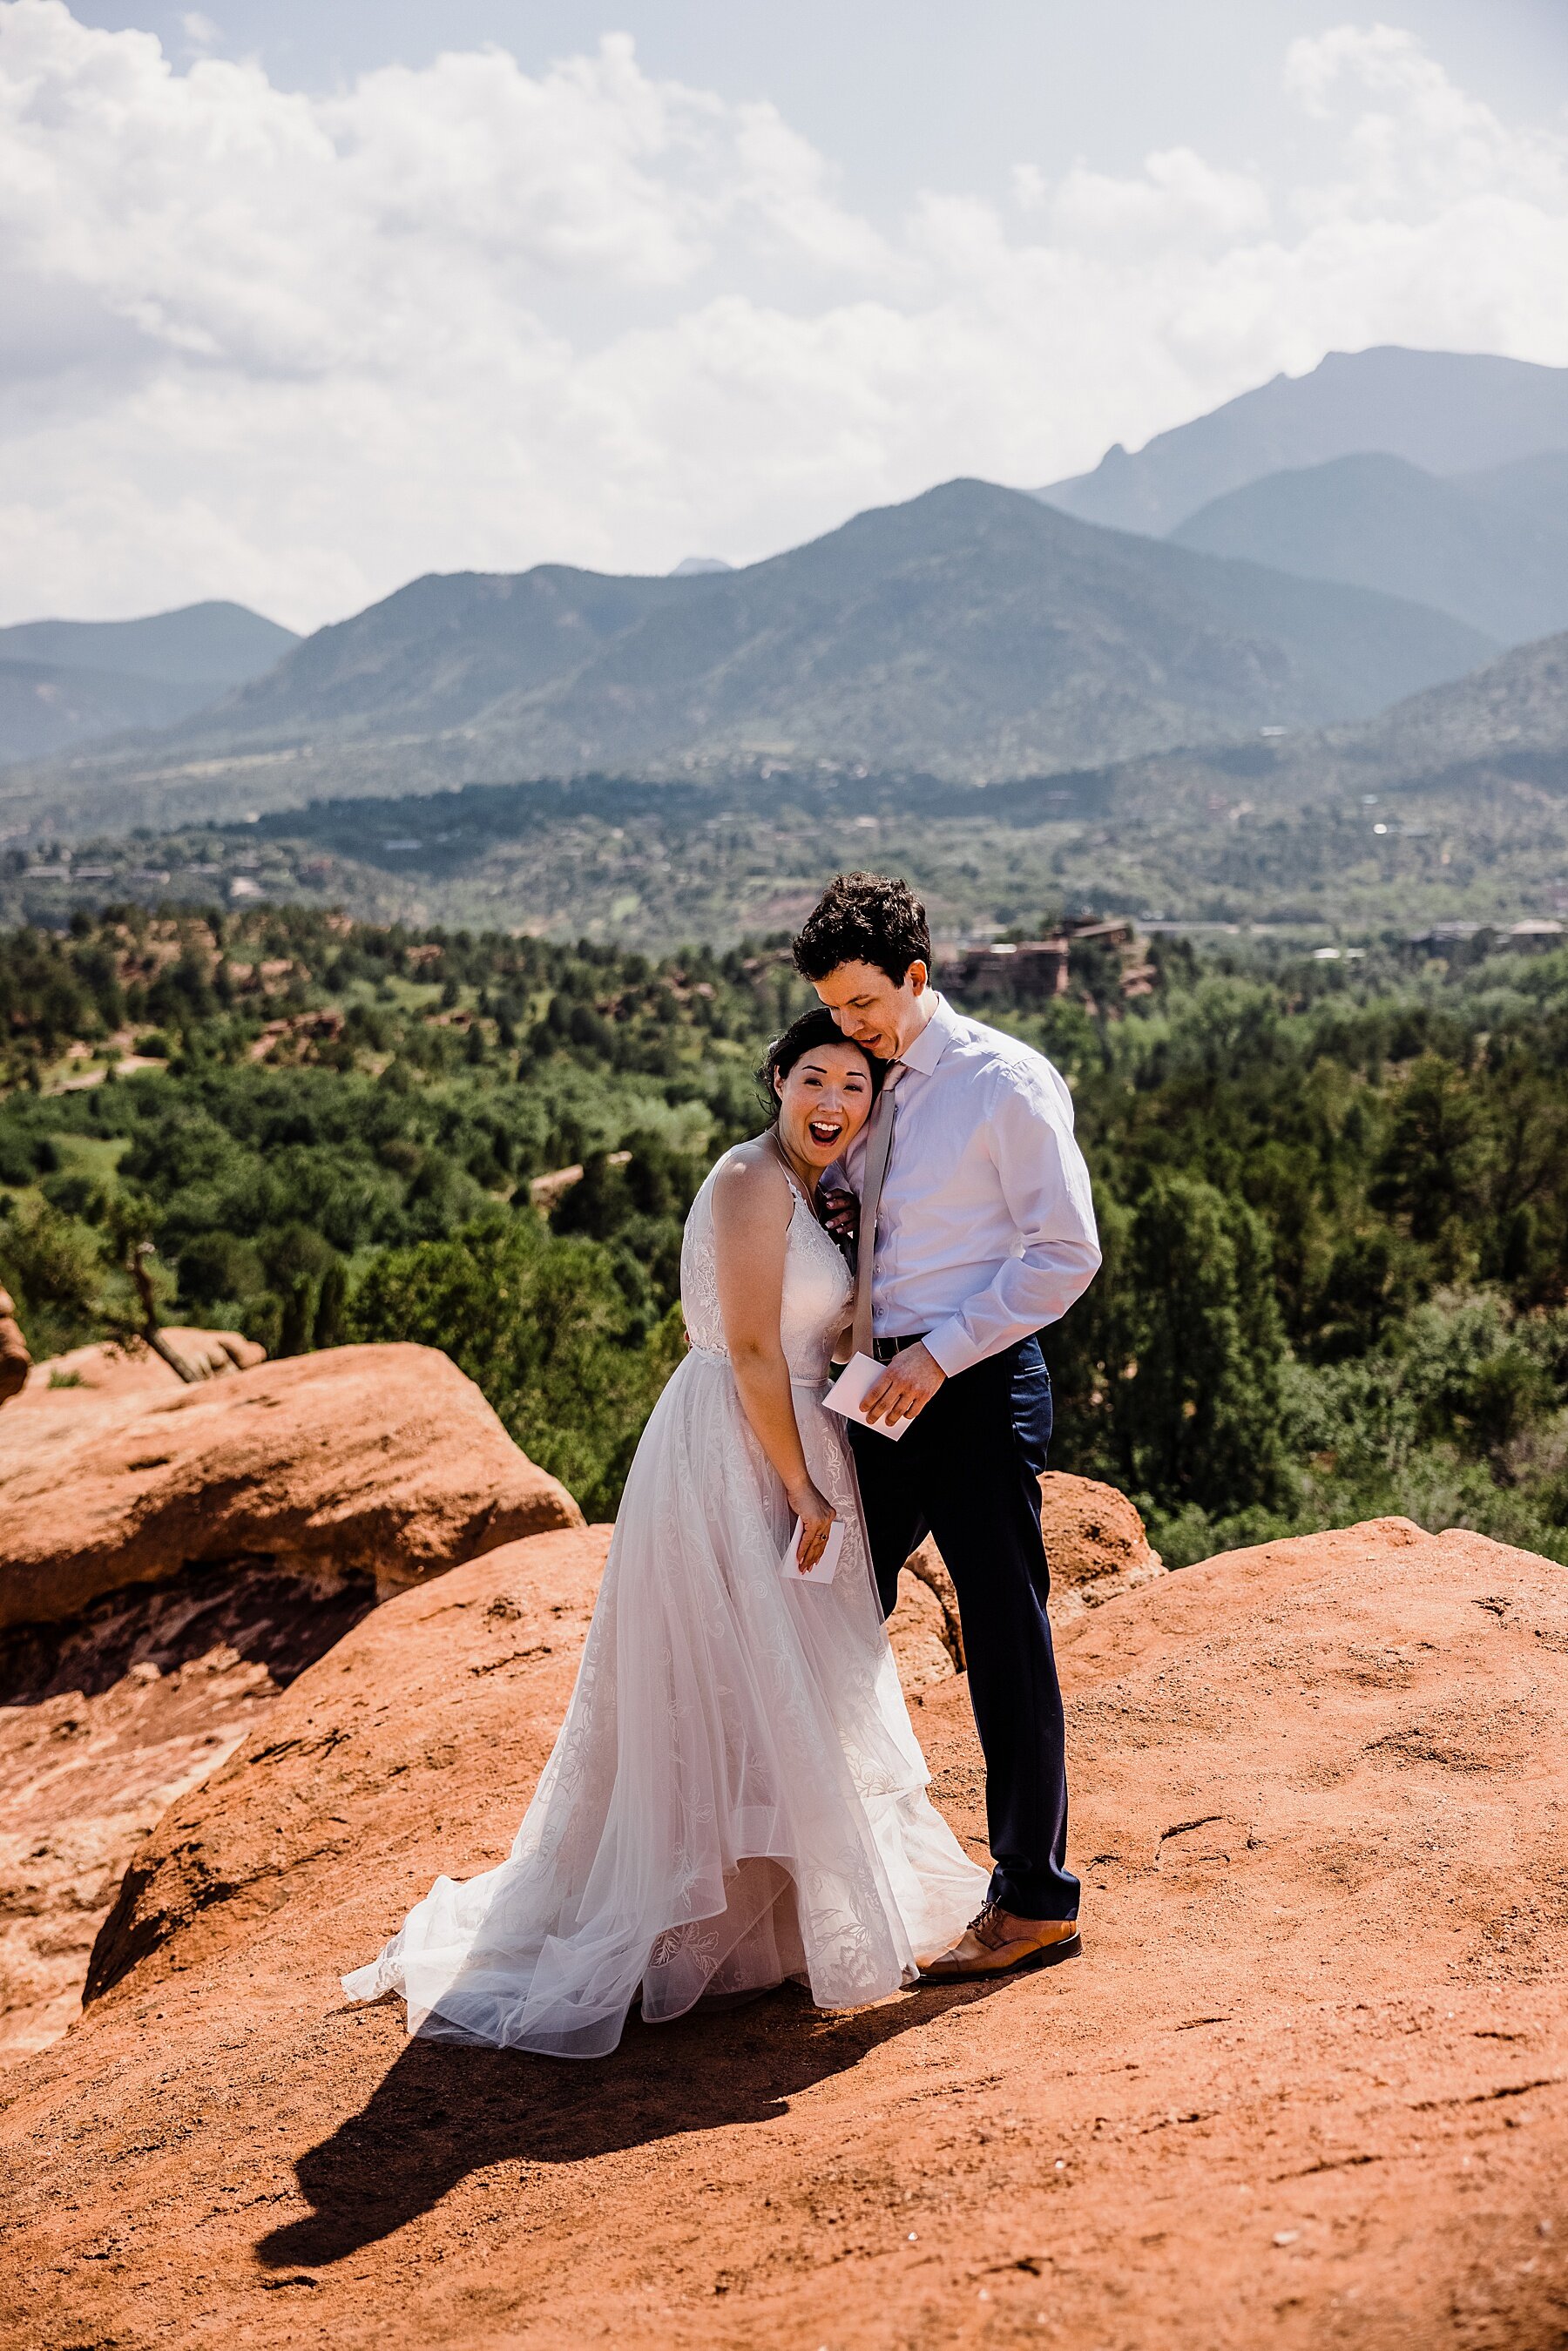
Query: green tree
[[332, 1306], [1371, 1280], [298, 1319], [54, 1268], [1201, 1417], [1432, 1162], [1092, 1353], [544, 1327]]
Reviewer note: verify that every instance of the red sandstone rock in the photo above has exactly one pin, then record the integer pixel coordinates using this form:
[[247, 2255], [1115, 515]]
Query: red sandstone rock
[[15, 1360], [112, 1367], [481, 1660], [1307, 2085], [921, 1636], [1095, 1541], [215, 1541], [102, 1723], [384, 1460]]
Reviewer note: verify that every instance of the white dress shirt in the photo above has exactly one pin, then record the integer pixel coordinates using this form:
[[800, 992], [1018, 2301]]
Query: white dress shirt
[[986, 1228]]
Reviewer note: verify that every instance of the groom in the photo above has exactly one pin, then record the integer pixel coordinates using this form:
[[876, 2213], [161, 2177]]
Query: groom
[[977, 1228]]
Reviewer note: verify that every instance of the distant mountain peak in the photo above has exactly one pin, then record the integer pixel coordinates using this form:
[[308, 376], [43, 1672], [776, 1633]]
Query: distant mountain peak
[[65, 682], [1447, 411], [1491, 547], [691, 566], [214, 644]]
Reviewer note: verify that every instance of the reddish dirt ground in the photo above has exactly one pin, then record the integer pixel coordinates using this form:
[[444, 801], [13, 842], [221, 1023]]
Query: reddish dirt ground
[[1308, 2086]]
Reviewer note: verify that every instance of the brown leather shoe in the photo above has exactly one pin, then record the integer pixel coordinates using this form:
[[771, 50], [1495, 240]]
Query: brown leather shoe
[[995, 1943]]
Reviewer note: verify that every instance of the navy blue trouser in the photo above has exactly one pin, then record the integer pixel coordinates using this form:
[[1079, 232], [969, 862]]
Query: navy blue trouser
[[968, 1471]]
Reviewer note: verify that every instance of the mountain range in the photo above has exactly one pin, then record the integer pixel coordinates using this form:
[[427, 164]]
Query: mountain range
[[1491, 548], [1304, 556], [968, 625], [68, 681], [972, 633], [1446, 412]]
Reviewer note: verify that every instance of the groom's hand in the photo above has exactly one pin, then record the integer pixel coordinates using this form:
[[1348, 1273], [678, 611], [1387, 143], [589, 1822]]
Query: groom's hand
[[905, 1387], [840, 1212]]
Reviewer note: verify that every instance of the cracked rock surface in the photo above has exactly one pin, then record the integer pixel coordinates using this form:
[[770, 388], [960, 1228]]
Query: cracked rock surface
[[104, 1723]]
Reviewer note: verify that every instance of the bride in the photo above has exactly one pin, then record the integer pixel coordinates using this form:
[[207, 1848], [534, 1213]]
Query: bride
[[736, 1796]]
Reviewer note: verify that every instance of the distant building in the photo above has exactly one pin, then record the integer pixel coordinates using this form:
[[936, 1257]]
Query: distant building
[[1031, 970], [1534, 930], [1115, 932]]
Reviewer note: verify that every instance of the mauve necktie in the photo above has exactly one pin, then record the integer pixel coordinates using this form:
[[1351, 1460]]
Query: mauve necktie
[[878, 1149]]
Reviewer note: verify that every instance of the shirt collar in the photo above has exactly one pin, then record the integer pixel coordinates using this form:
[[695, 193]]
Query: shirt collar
[[934, 1038]]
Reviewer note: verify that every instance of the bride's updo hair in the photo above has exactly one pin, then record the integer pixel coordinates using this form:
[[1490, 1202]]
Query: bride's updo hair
[[808, 1035]]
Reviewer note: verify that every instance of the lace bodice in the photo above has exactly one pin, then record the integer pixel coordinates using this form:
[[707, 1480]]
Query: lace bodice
[[818, 1286]]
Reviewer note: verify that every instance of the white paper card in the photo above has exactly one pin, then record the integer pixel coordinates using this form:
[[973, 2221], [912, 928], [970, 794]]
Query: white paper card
[[860, 1374], [827, 1567]]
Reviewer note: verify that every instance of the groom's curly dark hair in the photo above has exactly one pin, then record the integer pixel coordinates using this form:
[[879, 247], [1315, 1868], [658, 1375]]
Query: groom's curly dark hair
[[872, 918]]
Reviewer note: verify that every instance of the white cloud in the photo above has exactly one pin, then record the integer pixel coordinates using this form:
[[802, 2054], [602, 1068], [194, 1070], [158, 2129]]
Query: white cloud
[[296, 349], [1418, 144], [1180, 201], [791, 187], [199, 30]]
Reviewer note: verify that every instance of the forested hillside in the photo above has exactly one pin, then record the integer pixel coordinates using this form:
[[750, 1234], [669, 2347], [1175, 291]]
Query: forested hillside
[[1452, 807], [1334, 1196]]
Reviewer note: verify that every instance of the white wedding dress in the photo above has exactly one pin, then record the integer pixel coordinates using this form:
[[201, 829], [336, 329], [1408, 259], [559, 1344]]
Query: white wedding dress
[[736, 1796]]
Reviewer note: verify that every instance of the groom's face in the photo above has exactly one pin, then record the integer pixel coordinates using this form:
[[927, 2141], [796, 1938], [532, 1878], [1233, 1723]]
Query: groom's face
[[880, 1013]]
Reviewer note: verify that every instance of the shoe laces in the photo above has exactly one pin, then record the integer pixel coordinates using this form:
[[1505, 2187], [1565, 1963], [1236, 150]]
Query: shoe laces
[[984, 1925]]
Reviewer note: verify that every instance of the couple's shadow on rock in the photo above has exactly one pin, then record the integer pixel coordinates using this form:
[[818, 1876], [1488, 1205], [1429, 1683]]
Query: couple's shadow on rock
[[443, 2110]]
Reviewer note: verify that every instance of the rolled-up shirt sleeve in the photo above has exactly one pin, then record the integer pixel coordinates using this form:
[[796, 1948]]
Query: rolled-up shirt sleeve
[[1046, 1187]]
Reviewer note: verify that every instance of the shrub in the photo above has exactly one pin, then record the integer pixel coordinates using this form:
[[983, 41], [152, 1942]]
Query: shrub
[[55, 1270], [542, 1325]]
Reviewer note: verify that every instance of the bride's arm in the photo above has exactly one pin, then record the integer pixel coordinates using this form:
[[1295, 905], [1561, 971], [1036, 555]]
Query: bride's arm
[[752, 1205]]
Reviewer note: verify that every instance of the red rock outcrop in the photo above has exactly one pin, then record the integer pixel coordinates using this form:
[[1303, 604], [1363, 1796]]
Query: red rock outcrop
[[479, 1661], [15, 1360], [384, 1460], [1095, 1541], [171, 1557], [920, 1631], [102, 1723], [128, 1367], [1308, 2085]]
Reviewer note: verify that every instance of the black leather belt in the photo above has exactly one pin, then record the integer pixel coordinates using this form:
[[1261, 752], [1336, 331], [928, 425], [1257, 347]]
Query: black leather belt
[[884, 1350]]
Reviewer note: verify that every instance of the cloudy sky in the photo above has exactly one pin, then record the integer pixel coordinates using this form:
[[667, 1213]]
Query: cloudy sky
[[299, 300]]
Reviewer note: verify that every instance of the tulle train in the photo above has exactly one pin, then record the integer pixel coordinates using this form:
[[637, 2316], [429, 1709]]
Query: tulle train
[[736, 1796]]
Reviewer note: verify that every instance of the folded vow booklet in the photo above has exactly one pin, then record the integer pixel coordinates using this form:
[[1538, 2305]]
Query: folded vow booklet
[[827, 1567], [860, 1374]]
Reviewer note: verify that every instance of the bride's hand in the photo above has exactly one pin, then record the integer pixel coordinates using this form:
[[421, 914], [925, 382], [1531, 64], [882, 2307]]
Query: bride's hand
[[816, 1515]]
